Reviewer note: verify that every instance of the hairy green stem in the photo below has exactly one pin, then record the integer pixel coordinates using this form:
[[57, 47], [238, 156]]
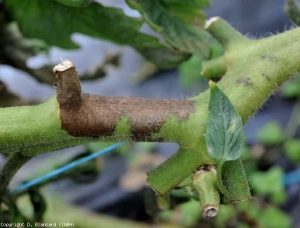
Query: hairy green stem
[[14, 162], [169, 174], [255, 69]]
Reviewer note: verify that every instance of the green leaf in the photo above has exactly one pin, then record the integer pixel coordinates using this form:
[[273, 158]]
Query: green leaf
[[274, 217], [292, 149], [55, 23], [190, 213], [292, 9], [235, 182], [226, 213], [264, 215], [224, 136], [271, 134], [269, 183], [75, 3], [180, 22], [190, 70], [292, 89], [185, 215]]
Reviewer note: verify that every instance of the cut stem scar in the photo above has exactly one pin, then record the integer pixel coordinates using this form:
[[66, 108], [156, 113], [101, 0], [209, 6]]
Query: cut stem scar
[[224, 33]]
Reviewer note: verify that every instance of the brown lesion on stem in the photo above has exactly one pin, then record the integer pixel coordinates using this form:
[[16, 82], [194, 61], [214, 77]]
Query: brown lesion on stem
[[85, 115], [68, 89], [246, 81]]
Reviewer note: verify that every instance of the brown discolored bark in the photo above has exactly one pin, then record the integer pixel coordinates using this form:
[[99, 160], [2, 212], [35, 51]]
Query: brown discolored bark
[[93, 116]]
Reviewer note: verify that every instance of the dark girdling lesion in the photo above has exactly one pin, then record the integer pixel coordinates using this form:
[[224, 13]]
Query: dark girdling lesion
[[85, 115]]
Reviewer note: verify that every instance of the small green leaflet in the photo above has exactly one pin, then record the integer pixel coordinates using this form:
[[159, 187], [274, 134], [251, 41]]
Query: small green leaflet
[[224, 136]]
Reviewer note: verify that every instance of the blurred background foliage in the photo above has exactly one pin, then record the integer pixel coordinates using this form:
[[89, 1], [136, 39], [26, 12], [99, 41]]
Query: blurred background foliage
[[169, 35]]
